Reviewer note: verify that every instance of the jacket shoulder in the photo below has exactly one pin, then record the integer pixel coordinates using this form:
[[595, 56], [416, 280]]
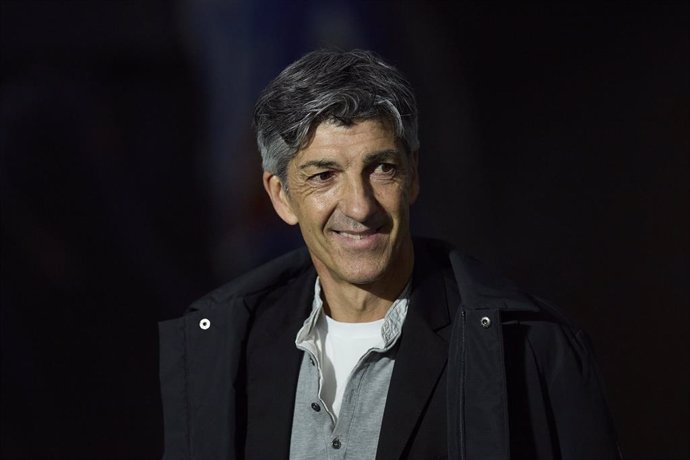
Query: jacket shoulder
[[480, 287], [549, 332], [265, 278]]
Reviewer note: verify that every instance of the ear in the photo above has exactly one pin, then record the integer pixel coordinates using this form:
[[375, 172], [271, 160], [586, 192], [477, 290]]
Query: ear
[[414, 177], [279, 199]]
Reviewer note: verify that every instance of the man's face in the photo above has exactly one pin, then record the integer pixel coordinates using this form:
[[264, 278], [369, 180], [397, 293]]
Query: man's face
[[350, 191]]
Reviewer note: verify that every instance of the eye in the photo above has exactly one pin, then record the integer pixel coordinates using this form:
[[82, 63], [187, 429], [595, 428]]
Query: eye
[[323, 176], [386, 169]]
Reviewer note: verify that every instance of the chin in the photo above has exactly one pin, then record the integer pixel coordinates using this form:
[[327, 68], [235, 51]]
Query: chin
[[363, 280], [363, 275]]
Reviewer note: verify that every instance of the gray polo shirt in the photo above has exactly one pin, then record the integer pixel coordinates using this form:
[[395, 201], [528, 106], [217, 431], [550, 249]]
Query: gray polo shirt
[[316, 433]]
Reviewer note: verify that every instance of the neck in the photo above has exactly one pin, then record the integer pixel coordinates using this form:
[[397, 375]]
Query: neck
[[354, 304], [360, 303]]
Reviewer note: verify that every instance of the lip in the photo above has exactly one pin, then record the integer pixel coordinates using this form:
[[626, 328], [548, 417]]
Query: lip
[[368, 239]]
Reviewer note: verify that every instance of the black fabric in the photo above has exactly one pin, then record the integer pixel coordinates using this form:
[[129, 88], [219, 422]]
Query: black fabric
[[523, 386], [272, 368], [415, 405]]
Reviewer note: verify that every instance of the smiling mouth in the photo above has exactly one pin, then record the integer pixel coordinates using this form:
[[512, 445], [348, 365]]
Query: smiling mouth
[[357, 235], [366, 240]]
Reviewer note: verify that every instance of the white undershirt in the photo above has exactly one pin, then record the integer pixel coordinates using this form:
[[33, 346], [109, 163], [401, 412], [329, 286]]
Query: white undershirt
[[343, 345]]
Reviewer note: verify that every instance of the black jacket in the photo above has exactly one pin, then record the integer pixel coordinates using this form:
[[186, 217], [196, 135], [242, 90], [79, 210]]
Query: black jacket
[[482, 370]]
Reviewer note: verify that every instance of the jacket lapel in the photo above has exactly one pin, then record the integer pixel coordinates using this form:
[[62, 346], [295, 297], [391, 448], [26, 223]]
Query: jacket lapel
[[420, 359], [272, 369]]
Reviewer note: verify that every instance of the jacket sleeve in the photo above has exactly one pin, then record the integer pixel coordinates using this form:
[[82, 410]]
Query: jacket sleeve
[[580, 413]]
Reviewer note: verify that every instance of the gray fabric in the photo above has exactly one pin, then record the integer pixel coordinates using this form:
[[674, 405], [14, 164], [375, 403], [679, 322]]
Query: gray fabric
[[316, 434]]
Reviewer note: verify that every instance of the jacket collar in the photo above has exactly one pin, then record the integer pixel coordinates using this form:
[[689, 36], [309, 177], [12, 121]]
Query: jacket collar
[[273, 367], [422, 353], [481, 288]]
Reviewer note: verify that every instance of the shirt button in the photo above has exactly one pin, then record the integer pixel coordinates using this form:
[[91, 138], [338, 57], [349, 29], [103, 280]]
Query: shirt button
[[204, 324], [485, 322], [336, 443], [316, 407]]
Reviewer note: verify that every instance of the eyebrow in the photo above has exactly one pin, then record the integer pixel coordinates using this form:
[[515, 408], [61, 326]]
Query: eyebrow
[[325, 164], [379, 157], [372, 158]]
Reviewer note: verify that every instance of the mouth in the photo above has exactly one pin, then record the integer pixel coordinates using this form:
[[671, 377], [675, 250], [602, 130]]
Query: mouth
[[356, 235], [359, 240]]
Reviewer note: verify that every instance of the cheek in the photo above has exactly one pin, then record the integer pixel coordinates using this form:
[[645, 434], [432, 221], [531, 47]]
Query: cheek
[[394, 198], [315, 211], [322, 205]]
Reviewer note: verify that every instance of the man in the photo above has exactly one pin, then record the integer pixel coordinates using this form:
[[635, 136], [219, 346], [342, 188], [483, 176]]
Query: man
[[369, 344]]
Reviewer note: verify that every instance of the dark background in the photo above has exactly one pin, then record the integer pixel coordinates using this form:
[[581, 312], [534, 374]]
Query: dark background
[[554, 147]]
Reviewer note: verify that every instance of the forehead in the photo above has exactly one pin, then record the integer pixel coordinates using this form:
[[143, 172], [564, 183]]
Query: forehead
[[345, 142]]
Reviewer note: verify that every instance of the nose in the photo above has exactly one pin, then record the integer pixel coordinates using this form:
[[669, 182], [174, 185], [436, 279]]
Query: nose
[[358, 201]]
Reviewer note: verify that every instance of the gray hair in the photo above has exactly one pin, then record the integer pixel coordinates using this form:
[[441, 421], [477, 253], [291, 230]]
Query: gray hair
[[342, 87]]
